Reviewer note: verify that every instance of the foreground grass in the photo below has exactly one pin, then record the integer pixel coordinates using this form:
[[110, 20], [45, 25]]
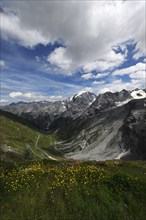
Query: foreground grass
[[74, 190]]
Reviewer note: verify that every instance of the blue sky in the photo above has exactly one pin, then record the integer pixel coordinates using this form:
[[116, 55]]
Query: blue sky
[[50, 51]]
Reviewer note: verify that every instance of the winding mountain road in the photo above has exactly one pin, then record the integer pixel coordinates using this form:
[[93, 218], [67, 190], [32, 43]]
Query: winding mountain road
[[42, 151]]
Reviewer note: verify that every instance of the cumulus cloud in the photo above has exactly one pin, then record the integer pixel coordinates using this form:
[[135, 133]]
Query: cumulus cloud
[[138, 75], [15, 94], [12, 27], [109, 61], [34, 97], [101, 75], [137, 71], [59, 58], [88, 29], [87, 76]]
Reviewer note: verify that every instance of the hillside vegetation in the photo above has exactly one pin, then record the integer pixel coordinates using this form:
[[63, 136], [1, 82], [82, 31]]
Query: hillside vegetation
[[37, 183], [20, 141], [69, 190]]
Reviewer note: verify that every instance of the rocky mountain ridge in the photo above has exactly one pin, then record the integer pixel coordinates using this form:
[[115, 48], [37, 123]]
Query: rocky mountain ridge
[[90, 127], [44, 114]]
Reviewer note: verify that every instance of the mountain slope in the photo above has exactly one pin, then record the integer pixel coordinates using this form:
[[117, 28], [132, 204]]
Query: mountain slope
[[108, 126], [42, 114], [20, 142], [110, 134]]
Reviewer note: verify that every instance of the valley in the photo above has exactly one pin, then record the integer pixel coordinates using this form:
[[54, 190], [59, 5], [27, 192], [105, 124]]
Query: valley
[[72, 110], [86, 127], [88, 163], [21, 142]]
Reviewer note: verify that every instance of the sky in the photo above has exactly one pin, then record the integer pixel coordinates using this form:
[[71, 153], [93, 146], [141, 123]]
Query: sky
[[51, 50]]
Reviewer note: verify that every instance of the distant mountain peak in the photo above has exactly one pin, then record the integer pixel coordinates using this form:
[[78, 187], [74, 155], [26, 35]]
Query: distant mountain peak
[[80, 93], [43, 113]]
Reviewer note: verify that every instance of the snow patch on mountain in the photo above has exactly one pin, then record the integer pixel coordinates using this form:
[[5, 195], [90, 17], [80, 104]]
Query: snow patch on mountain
[[94, 98], [123, 153], [71, 98], [63, 105], [122, 103], [80, 93], [138, 94]]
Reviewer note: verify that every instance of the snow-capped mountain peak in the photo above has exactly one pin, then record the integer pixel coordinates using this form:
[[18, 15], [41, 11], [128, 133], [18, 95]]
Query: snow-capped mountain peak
[[80, 93]]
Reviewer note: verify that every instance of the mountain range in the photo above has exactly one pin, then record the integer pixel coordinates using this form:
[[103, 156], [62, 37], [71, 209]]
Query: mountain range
[[87, 126]]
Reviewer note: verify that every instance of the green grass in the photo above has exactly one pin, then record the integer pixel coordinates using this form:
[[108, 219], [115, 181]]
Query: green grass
[[64, 190], [19, 135], [69, 190]]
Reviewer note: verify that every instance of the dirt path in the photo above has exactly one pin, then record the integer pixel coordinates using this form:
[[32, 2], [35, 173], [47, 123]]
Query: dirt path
[[38, 137], [28, 147], [42, 151]]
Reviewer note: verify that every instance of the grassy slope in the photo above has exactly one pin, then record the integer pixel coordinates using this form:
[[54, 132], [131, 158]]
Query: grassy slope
[[111, 190], [67, 190], [18, 135]]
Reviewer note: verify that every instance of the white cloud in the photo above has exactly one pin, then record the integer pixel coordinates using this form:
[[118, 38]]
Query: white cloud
[[101, 75], [89, 29], [87, 76], [34, 97], [15, 94], [86, 89], [98, 82], [118, 85], [131, 69], [11, 27], [109, 61], [2, 64], [90, 66], [138, 75], [59, 58], [3, 101]]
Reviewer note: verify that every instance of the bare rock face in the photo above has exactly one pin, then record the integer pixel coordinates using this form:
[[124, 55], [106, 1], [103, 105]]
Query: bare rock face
[[52, 115], [79, 104], [134, 131], [118, 133], [43, 114], [109, 100]]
